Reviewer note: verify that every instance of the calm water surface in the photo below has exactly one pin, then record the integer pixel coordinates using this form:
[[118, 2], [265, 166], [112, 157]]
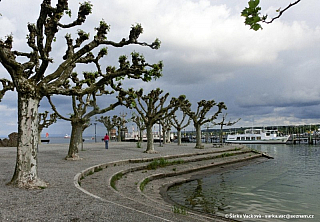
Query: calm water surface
[[288, 184]]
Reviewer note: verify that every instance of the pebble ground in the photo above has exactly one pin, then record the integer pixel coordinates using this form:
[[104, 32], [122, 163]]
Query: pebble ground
[[62, 201]]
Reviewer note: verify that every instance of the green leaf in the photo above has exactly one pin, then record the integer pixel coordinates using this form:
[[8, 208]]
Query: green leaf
[[68, 12], [253, 3], [252, 15]]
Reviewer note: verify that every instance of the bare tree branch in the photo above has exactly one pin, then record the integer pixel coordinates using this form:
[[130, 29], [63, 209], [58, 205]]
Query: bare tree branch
[[6, 86], [281, 12], [56, 111]]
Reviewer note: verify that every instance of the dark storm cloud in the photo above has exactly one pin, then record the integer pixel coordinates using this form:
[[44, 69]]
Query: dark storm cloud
[[269, 76]]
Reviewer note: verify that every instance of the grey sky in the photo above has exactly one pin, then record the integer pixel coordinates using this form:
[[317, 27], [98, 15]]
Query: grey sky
[[269, 77]]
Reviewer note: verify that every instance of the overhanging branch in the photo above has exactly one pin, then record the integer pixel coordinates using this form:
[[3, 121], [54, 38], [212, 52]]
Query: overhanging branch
[[281, 12]]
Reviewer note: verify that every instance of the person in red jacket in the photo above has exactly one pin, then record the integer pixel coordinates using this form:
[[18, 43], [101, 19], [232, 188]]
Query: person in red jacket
[[106, 140]]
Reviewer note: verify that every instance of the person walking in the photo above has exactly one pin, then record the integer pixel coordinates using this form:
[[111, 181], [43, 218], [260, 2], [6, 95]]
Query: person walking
[[106, 140]]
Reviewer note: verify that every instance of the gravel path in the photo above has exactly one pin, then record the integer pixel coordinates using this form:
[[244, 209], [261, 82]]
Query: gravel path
[[62, 201]]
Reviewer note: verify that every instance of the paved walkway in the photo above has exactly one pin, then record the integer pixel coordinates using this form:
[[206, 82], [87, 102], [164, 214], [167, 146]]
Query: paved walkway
[[62, 201]]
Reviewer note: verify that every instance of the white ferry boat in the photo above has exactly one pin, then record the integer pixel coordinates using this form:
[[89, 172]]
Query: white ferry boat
[[255, 136]]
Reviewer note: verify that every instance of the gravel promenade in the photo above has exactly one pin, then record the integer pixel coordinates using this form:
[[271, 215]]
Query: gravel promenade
[[62, 201]]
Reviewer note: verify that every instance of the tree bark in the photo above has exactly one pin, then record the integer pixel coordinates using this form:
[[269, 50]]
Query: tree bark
[[150, 145], [75, 141], [39, 136], [119, 134], [198, 137], [168, 136], [26, 171], [221, 134], [179, 136], [140, 136], [163, 136]]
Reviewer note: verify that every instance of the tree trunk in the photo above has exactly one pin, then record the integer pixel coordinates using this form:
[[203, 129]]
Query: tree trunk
[[140, 136], [75, 141], [40, 128], [119, 134], [150, 145], [221, 134], [179, 136], [163, 136], [198, 137], [26, 171], [39, 136], [109, 132], [168, 136]]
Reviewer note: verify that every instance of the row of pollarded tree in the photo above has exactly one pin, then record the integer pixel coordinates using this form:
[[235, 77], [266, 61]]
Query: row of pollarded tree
[[153, 108], [114, 121], [33, 77]]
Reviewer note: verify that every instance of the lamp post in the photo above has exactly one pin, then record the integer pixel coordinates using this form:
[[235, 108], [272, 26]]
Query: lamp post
[[95, 132]]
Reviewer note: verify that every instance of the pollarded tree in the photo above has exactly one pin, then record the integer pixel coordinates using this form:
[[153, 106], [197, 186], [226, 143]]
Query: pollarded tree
[[110, 123], [107, 122], [140, 125], [32, 76], [180, 125], [199, 117], [45, 122], [152, 108], [166, 128], [223, 123], [84, 107], [119, 122]]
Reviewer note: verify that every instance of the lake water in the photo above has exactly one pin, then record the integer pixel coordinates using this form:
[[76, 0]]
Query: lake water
[[286, 185]]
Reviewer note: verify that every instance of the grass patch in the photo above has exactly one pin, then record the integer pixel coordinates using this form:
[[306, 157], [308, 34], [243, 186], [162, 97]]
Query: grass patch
[[225, 155], [179, 210], [144, 183], [157, 163], [162, 163], [114, 179], [97, 169], [90, 173]]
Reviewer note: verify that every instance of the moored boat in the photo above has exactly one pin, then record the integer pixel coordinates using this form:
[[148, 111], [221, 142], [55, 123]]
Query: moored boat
[[134, 137], [256, 136]]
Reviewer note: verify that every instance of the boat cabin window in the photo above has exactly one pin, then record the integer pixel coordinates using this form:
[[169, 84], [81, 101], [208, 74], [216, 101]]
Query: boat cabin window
[[238, 138], [259, 138], [253, 138], [247, 138], [267, 133], [243, 138]]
